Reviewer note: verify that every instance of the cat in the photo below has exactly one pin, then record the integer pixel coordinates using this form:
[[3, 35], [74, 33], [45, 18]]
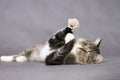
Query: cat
[[85, 52], [62, 48], [53, 51]]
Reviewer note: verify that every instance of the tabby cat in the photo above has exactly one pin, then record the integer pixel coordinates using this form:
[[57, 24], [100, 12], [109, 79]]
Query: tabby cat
[[85, 52], [61, 48]]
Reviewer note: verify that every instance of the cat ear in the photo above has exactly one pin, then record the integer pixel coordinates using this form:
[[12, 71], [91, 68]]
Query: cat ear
[[97, 42]]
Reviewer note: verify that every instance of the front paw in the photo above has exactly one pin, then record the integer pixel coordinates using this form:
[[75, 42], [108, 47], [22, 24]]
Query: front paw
[[73, 23], [99, 59], [69, 37]]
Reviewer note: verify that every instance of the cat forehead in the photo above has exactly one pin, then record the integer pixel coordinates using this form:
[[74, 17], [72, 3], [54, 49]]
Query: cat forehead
[[88, 45], [84, 42]]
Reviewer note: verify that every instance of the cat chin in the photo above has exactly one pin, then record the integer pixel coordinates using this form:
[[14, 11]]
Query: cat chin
[[45, 52]]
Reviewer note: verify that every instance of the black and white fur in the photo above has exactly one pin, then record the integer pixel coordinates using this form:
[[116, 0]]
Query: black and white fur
[[53, 51]]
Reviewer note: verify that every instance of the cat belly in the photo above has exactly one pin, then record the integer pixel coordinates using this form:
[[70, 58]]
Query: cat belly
[[44, 52]]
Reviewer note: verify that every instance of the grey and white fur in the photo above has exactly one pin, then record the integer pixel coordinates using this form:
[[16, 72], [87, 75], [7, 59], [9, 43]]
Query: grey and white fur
[[51, 52], [62, 48]]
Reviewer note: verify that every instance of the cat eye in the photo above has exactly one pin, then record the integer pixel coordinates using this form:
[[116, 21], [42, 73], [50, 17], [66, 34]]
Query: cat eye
[[90, 51], [83, 49]]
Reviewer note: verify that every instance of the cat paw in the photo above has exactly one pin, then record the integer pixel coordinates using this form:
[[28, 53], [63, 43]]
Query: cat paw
[[99, 59], [73, 23]]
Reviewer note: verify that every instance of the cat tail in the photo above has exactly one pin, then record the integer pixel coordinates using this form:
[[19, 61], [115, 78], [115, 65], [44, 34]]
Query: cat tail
[[21, 57]]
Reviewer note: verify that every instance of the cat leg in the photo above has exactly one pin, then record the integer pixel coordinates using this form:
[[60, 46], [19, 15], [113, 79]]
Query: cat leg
[[21, 57], [7, 58], [57, 57], [24, 56], [12, 58]]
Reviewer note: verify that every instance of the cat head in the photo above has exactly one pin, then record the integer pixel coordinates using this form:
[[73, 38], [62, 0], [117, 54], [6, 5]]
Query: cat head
[[73, 24], [88, 46]]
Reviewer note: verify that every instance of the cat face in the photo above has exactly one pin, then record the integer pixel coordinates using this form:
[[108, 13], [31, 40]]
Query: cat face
[[89, 52], [90, 46]]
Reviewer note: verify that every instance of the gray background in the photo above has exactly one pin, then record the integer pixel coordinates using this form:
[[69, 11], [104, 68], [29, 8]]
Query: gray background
[[25, 23]]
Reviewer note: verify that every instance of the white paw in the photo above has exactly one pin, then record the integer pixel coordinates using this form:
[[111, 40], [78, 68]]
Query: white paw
[[69, 37], [7, 58], [99, 59], [73, 23], [21, 59]]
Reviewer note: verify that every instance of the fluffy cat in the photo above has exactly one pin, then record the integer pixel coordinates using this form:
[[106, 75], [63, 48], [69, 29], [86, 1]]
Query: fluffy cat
[[85, 52], [61, 48], [53, 51]]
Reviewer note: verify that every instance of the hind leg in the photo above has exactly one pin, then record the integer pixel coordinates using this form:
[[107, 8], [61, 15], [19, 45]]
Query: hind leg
[[21, 57], [7, 58], [14, 58]]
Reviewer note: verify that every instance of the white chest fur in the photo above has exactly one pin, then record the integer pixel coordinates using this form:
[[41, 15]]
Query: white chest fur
[[44, 52]]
